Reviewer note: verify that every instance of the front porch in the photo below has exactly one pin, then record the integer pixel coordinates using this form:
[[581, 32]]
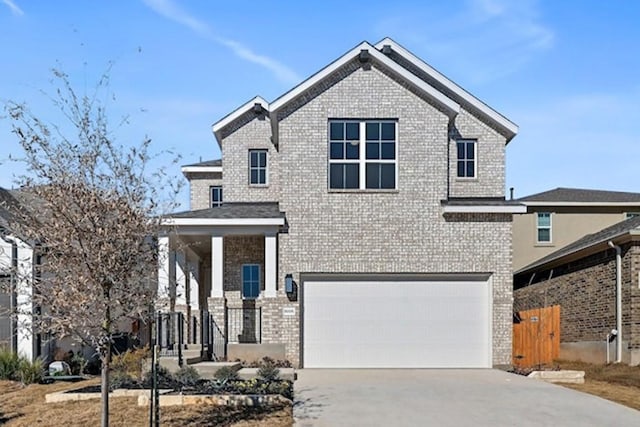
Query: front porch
[[218, 269]]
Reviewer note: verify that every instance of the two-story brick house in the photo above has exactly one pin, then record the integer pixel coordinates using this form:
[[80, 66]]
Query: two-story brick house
[[358, 220]]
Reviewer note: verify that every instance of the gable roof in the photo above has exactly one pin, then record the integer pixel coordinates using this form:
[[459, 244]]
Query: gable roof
[[237, 213], [574, 196], [374, 53], [453, 90], [587, 244]]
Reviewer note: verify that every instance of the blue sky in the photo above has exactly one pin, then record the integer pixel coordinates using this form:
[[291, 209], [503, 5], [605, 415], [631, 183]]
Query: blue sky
[[567, 72]]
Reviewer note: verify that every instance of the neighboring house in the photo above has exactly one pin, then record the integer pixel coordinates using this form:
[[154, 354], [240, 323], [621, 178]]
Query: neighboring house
[[16, 274], [561, 216], [363, 222], [582, 278]]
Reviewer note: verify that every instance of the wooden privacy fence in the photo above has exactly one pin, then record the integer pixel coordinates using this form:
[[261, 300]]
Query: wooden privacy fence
[[536, 336]]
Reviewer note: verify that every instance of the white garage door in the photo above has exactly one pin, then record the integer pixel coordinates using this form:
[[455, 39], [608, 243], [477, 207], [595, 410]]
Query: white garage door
[[387, 324]]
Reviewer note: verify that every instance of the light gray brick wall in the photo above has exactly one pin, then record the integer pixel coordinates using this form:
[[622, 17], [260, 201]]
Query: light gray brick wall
[[256, 134], [490, 157], [199, 184], [397, 231]]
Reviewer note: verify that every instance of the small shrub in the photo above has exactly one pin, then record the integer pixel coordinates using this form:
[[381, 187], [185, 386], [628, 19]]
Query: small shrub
[[78, 363], [9, 365], [268, 372], [225, 374], [187, 376], [31, 372], [119, 379], [165, 378], [130, 362]]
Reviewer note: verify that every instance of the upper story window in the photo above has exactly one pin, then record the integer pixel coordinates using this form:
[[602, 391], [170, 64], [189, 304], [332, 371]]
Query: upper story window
[[258, 167], [216, 195], [543, 227], [466, 149], [250, 281], [362, 154]]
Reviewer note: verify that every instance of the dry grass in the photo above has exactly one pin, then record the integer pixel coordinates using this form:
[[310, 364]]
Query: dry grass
[[25, 406], [616, 382]]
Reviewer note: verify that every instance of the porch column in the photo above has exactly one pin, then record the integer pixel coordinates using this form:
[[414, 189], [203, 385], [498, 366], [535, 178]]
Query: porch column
[[217, 267], [194, 284], [182, 281], [270, 267], [24, 293], [163, 272]]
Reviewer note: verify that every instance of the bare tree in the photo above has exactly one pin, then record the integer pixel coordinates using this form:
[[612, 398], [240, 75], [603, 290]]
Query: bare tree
[[93, 209]]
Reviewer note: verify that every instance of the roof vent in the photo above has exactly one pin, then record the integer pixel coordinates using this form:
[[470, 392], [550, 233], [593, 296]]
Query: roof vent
[[257, 108], [386, 49], [364, 56]]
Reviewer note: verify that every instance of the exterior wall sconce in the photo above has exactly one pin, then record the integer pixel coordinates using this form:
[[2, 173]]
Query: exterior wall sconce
[[288, 284]]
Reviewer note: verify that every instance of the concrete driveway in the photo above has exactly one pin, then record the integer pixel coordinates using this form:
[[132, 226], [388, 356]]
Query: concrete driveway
[[434, 397]]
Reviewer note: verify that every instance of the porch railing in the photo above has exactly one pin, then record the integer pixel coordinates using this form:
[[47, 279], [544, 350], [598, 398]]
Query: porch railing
[[214, 342], [170, 334], [244, 325]]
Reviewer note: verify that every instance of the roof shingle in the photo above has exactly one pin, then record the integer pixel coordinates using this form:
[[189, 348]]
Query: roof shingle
[[581, 195]]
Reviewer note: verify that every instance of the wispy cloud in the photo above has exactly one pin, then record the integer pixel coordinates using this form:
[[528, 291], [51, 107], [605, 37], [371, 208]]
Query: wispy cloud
[[14, 7], [172, 11], [485, 39]]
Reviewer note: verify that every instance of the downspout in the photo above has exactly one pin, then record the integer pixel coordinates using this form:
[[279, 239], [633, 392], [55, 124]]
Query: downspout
[[618, 301]]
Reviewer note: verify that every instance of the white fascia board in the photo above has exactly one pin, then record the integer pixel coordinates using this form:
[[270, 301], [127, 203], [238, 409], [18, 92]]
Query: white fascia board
[[595, 204], [220, 124], [223, 221], [485, 209], [439, 97], [201, 169], [441, 78]]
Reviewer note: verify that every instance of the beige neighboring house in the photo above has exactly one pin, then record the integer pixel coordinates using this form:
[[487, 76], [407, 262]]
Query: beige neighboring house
[[363, 223], [559, 217]]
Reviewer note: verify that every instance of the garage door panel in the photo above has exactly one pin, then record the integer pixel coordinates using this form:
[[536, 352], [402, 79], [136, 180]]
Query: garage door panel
[[396, 324]]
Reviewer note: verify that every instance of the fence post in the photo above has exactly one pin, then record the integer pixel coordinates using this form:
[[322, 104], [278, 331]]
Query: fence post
[[180, 319]]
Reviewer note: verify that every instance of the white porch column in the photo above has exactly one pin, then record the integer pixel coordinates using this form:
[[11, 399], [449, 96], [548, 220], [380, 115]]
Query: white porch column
[[217, 267], [181, 272], [194, 284], [163, 272], [270, 265], [24, 292]]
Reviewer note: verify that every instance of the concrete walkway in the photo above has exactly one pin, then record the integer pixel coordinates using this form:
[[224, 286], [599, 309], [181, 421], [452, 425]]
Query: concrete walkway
[[446, 398]]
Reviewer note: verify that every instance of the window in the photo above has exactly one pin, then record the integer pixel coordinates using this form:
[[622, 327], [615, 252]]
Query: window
[[216, 196], [466, 158], [362, 154], [543, 227], [258, 167], [250, 281]]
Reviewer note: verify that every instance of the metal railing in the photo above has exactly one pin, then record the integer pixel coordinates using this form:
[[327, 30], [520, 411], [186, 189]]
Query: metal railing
[[244, 325], [214, 342], [170, 334]]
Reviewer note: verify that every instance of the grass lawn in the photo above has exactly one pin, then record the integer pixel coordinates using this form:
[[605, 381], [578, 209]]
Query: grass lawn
[[25, 406], [619, 383]]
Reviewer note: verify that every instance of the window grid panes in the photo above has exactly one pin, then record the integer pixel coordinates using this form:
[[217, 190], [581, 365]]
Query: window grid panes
[[362, 154], [258, 167], [543, 227], [216, 196], [250, 281], [466, 150]]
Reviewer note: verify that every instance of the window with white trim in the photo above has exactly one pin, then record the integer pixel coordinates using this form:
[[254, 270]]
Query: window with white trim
[[466, 149], [250, 281], [363, 154], [543, 227], [258, 167], [215, 195]]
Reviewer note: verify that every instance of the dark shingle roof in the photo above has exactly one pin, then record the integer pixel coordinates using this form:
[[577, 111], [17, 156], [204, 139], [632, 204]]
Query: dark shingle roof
[[581, 195], [587, 241], [9, 208], [235, 210], [216, 162]]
